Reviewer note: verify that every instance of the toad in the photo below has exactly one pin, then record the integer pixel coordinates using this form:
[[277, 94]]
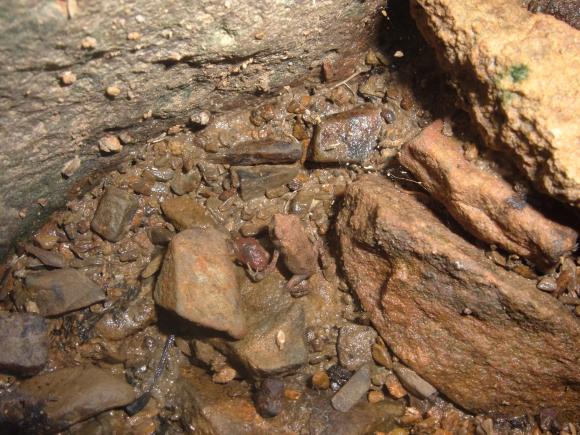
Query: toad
[[300, 255], [250, 253]]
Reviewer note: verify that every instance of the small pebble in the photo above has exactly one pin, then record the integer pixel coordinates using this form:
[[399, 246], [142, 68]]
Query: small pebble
[[291, 394], [70, 167], [394, 387], [389, 116], [269, 398], [225, 375], [338, 376], [547, 284], [375, 396], [133, 36], [381, 355], [110, 144], [113, 91], [398, 431], [68, 78], [320, 381], [200, 118], [88, 43]]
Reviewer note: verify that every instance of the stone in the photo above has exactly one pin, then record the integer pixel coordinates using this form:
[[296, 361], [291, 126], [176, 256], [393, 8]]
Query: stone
[[185, 183], [110, 144], [127, 319], [320, 380], [269, 398], [482, 202], [517, 73], [338, 376], [114, 213], [267, 151], [354, 345], [347, 137], [375, 396], [74, 394], [160, 235], [186, 213], [60, 291], [394, 387], [351, 392], [24, 343], [413, 383], [197, 281], [416, 278], [48, 258], [565, 10], [255, 180]]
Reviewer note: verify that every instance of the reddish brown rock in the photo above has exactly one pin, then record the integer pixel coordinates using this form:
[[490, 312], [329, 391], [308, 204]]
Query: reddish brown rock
[[485, 204], [114, 213], [184, 213], [197, 281], [484, 337]]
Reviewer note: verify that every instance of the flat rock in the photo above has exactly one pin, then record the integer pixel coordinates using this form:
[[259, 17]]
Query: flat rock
[[414, 383], [185, 213], [255, 180], [62, 290], [197, 282], [347, 137], [485, 204], [267, 151], [353, 390], [114, 213], [518, 74], [24, 343], [442, 306], [74, 394], [354, 345]]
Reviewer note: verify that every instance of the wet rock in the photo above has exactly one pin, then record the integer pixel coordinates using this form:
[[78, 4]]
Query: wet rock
[[48, 258], [414, 383], [114, 213], [185, 183], [255, 180], [394, 387], [416, 278], [523, 93], [260, 353], [62, 290], [298, 252], [356, 387], [338, 376], [354, 345], [320, 381], [197, 282], [74, 394], [126, 320], [160, 236], [268, 151], [485, 204], [347, 137], [270, 397], [186, 213], [24, 343]]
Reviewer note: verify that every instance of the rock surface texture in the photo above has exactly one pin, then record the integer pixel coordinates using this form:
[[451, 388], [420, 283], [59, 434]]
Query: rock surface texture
[[24, 343], [518, 74], [485, 204], [71, 77], [484, 337]]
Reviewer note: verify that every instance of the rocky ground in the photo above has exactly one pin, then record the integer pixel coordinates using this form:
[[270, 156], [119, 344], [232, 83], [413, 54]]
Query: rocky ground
[[344, 258]]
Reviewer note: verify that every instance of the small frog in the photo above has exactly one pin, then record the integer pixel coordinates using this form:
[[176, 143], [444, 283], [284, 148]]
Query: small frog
[[251, 254], [300, 255]]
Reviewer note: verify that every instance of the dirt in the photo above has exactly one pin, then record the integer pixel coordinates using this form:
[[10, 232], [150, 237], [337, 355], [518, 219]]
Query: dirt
[[208, 285]]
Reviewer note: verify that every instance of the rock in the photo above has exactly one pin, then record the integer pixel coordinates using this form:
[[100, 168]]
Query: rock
[[517, 73], [394, 387], [338, 376], [197, 282], [60, 291], [356, 387], [267, 151], [416, 385], [160, 236], [270, 397], [259, 352], [185, 183], [74, 394], [484, 204], [255, 180], [565, 10], [320, 380], [225, 375], [347, 137], [186, 213], [416, 278], [114, 213], [48, 258], [375, 396], [124, 321], [110, 144], [354, 345], [24, 343]]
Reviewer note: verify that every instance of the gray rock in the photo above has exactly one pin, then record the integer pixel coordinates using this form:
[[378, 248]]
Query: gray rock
[[24, 343], [197, 282], [270, 397], [74, 394], [255, 180], [60, 291], [354, 345], [48, 258], [185, 183], [414, 383], [268, 151], [114, 214], [353, 390], [347, 137]]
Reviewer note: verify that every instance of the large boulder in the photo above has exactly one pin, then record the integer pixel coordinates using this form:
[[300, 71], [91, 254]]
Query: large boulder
[[518, 74], [484, 337]]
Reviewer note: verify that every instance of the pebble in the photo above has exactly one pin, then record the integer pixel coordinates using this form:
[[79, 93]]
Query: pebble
[[133, 36], [225, 375], [198, 282], [320, 380], [88, 43], [160, 236], [381, 355], [353, 390], [68, 78], [338, 376], [292, 394], [186, 213], [354, 345], [185, 183], [113, 91], [375, 396], [255, 180], [48, 258], [414, 383], [114, 214], [547, 284], [200, 118], [394, 387], [60, 291], [70, 167], [269, 398], [24, 343], [389, 116], [267, 151], [110, 144]]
